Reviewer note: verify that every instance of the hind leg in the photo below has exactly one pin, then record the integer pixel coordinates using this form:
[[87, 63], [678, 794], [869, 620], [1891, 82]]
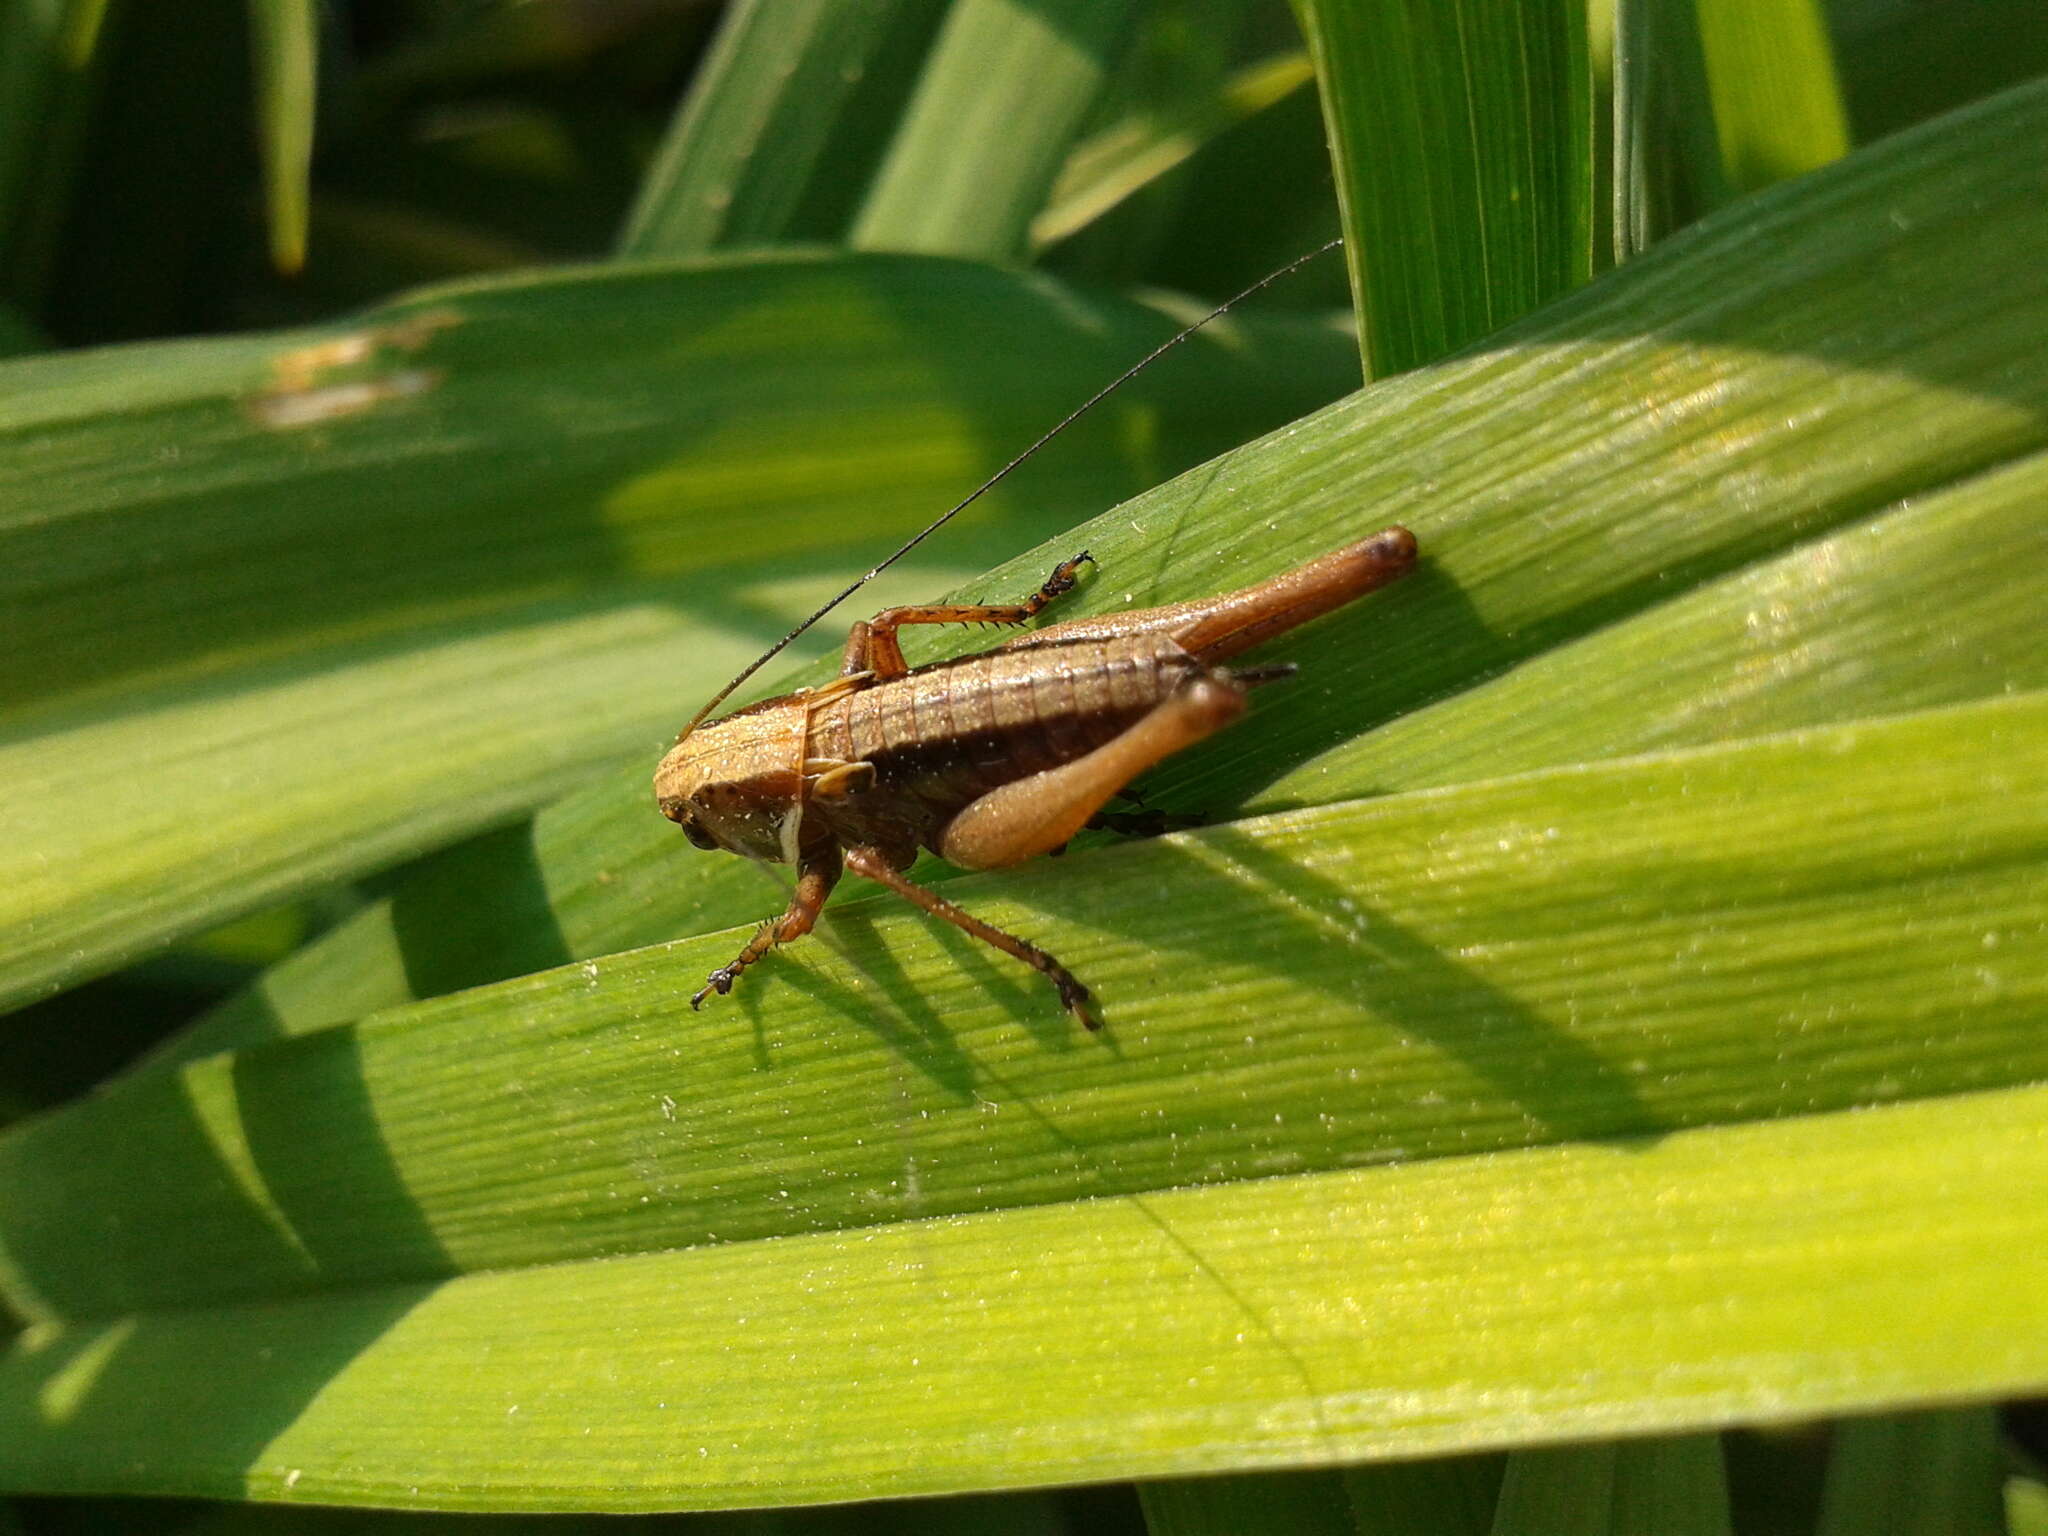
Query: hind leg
[[1037, 814], [1074, 997]]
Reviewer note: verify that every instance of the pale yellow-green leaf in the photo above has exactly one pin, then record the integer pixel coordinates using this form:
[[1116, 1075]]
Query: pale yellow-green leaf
[[1777, 103], [286, 53]]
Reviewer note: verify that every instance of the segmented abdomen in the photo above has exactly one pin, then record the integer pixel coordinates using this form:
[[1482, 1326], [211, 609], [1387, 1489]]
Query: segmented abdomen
[[959, 729]]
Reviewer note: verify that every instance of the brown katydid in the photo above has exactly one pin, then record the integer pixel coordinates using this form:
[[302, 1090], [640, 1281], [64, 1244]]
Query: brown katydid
[[990, 759]]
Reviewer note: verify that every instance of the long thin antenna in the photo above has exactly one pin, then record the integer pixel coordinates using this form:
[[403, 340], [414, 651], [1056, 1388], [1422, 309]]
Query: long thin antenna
[[1000, 475]]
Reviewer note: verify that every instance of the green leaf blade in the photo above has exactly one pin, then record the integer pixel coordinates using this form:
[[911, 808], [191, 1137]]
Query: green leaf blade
[[1926, 605], [1939, 1471], [1777, 101], [1006, 87], [1832, 1263], [776, 124], [1463, 142], [1656, 1049], [286, 39], [1675, 1485], [1605, 458], [1591, 952]]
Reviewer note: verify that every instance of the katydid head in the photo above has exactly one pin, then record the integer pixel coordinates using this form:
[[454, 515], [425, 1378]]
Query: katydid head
[[737, 784]]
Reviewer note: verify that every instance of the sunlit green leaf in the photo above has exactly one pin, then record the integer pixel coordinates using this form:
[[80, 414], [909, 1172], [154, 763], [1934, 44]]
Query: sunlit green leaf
[[1808, 1266], [1931, 603], [1758, 512], [1645, 522], [1590, 952], [1777, 103]]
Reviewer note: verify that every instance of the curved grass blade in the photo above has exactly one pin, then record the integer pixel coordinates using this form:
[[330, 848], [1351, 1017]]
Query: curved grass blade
[[1248, 197], [285, 35], [1611, 455], [1777, 102], [1714, 101], [48, 63], [1122, 160], [1667, 157]]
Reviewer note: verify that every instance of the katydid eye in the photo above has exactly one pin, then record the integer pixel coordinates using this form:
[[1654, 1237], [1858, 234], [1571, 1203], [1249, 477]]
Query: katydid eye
[[685, 816]]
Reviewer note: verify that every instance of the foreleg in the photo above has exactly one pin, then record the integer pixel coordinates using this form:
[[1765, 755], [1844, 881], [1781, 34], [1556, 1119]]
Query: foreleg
[[814, 881]]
